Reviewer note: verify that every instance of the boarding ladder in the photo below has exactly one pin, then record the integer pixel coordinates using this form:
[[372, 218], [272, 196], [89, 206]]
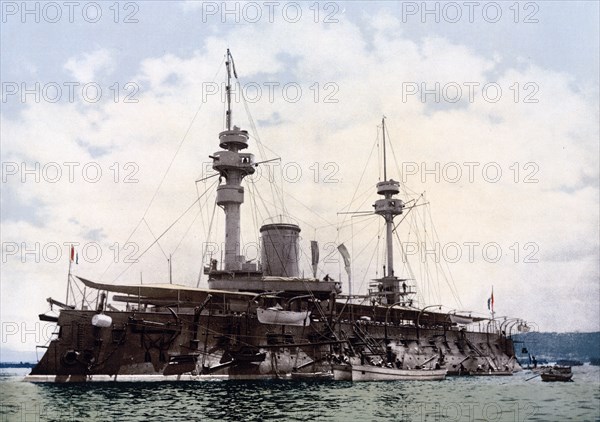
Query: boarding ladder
[[489, 360], [368, 341]]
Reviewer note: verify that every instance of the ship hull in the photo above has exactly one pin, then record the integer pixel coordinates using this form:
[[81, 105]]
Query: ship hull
[[157, 346]]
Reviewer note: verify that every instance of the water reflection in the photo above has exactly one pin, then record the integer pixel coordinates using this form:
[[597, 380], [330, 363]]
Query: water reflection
[[477, 398]]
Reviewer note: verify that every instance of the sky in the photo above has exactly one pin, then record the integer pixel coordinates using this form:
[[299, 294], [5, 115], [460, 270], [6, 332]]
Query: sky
[[110, 111]]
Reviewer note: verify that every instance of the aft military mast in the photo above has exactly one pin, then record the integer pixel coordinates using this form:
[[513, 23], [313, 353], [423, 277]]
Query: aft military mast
[[390, 289]]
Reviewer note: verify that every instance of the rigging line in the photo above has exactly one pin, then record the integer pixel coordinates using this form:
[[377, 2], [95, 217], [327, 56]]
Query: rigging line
[[404, 187], [274, 189], [255, 136], [255, 211], [155, 239], [364, 215], [161, 235], [262, 201], [208, 177], [366, 192], [200, 213], [348, 224], [252, 210], [406, 190], [407, 213], [411, 274], [366, 271], [368, 198], [390, 143], [362, 282], [453, 287], [350, 281], [258, 210], [379, 159], [288, 214], [377, 249], [126, 242], [368, 243], [271, 175], [207, 240], [282, 193], [200, 209], [309, 264], [367, 221], [267, 161], [257, 139], [180, 144], [417, 234], [436, 286], [377, 235], [312, 211], [205, 206], [324, 318], [361, 178], [186, 232], [168, 167]]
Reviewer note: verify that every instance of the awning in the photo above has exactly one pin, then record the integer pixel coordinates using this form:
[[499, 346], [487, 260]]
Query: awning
[[174, 292]]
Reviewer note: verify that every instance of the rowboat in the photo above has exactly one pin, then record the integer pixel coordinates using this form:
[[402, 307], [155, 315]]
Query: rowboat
[[557, 373], [379, 373]]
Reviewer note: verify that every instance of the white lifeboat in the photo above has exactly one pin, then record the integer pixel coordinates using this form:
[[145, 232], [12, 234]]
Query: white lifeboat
[[101, 320]]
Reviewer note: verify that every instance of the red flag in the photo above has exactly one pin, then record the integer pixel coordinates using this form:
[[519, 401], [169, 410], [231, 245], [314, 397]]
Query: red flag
[[72, 253], [491, 301]]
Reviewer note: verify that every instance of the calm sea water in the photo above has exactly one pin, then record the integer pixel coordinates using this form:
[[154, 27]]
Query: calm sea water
[[455, 399]]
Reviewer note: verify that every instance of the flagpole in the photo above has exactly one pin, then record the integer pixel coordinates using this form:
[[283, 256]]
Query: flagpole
[[69, 274], [493, 302]]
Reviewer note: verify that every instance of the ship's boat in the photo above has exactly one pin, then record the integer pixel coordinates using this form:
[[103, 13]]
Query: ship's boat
[[461, 319], [342, 372], [237, 329], [322, 375], [383, 373], [377, 369], [551, 377], [557, 373], [490, 372], [276, 315]]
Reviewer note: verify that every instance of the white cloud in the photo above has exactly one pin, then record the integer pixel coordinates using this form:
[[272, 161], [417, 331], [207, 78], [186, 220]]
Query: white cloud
[[87, 67]]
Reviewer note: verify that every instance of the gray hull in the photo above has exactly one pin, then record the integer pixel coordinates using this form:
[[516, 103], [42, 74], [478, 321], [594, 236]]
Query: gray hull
[[155, 346]]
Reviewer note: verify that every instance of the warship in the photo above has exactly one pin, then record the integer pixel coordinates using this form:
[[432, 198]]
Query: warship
[[264, 319]]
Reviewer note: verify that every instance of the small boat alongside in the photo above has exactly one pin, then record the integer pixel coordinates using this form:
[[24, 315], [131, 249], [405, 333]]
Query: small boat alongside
[[342, 372], [382, 373], [323, 375], [557, 373], [491, 373]]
